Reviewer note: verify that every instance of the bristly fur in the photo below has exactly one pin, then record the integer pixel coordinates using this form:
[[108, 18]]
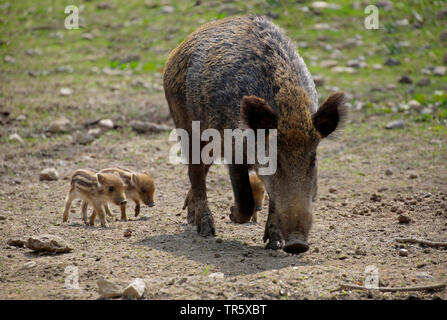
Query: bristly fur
[[336, 111]]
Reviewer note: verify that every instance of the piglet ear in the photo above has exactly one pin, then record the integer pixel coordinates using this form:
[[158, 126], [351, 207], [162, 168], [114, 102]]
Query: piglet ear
[[256, 113], [134, 179], [101, 178], [331, 114]]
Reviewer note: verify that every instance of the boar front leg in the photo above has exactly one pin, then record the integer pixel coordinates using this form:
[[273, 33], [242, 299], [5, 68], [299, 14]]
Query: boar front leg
[[198, 205], [102, 217], [272, 232], [244, 206], [123, 212], [137, 208]]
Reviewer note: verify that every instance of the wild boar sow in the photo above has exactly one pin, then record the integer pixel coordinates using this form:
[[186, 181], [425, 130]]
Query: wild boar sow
[[243, 72]]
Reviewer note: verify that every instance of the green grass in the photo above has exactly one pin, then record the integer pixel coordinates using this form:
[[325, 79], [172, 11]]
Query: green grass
[[138, 28]]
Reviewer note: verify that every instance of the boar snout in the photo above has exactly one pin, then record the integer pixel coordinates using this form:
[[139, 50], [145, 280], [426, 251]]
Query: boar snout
[[149, 203]]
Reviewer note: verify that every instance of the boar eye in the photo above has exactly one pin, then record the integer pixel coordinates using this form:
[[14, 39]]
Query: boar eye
[[111, 189], [143, 190]]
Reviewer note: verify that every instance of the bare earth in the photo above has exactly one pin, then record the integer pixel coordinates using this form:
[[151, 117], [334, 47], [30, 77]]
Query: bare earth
[[350, 232]]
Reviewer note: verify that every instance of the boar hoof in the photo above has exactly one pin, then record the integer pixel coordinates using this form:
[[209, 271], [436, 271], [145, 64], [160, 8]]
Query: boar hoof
[[274, 244], [295, 246], [237, 218], [206, 227]]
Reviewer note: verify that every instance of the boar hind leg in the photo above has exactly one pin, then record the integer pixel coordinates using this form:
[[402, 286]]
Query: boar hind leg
[[137, 208], [68, 200], [272, 232], [188, 199], [198, 205], [244, 206], [84, 208]]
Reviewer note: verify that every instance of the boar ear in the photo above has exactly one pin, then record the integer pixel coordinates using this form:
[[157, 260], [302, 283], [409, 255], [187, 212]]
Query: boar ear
[[101, 178], [126, 178], [331, 114], [257, 114]]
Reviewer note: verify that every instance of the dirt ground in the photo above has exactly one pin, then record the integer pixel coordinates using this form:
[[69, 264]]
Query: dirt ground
[[352, 228]]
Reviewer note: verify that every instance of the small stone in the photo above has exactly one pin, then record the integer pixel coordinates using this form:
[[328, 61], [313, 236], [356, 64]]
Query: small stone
[[360, 252], [318, 5], [440, 71], [396, 124], [145, 127], [415, 105], [388, 172], [412, 176], [106, 124], [405, 79], [48, 243], [48, 174], [128, 233], [216, 275], [95, 132], [9, 59], [13, 242], [167, 10], [392, 62], [377, 66], [424, 276], [29, 264], [376, 197], [82, 138], [108, 289], [385, 4], [423, 82], [217, 255], [403, 252], [88, 36], [403, 219], [328, 63], [218, 240], [332, 190], [344, 70], [2, 217], [61, 125], [16, 138], [66, 91], [135, 289], [427, 195], [353, 64]]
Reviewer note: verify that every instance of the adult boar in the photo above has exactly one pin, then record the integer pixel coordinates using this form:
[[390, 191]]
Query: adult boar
[[243, 72]]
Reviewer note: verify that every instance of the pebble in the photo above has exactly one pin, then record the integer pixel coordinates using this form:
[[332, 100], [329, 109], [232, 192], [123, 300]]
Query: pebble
[[332, 190], [66, 91], [15, 137], [376, 197], [344, 70], [405, 79], [9, 59], [82, 138], [216, 275], [29, 264], [388, 172], [412, 176], [106, 124], [145, 127], [392, 62], [423, 82], [61, 125], [328, 63], [14, 242], [95, 132], [403, 252], [440, 71], [48, 174], [318, 5], [396, 124], [128, 233], [403, 219]]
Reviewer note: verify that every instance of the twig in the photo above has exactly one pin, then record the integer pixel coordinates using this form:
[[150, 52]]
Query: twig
[[424, 242], [388, 289]]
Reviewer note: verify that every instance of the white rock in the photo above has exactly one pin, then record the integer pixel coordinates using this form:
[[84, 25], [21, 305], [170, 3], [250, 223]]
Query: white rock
[[344, 70], [440, 71], [106, 123], [328, 63], [29, 264], [48, 174], [414, 104], [377, 66], [395, 124], [66, 91], [216, 275], [95, 132], [324, 5], [16, 137], [108, 289], [9, 59], [135, 289], [167, 9]]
